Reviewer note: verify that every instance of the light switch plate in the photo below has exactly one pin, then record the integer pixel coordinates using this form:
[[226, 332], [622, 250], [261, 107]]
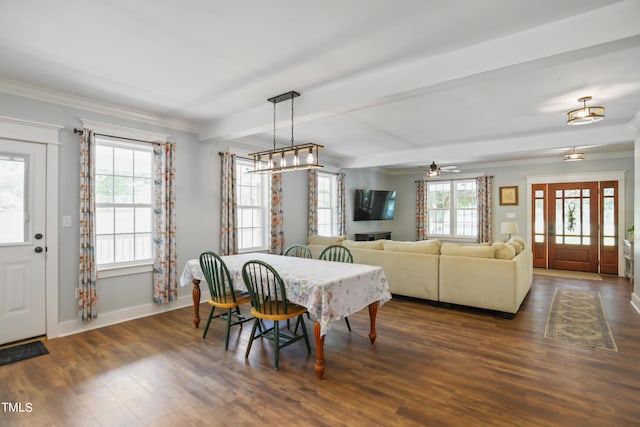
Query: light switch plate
[[66, 221]]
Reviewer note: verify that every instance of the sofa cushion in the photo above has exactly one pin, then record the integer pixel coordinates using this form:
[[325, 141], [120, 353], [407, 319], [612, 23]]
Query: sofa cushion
[[517, 246], [372, 244], [470, 251], [503, 251], [431, 247], [325, 240], [519, 240]]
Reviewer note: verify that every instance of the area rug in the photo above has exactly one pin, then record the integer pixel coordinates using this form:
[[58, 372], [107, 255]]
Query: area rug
[[22, 352], [578, 317], [567, 274]]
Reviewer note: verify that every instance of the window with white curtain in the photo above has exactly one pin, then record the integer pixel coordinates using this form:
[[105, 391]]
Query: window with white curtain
[[452, 208], [327, 204], [253, 216], [123, 202]]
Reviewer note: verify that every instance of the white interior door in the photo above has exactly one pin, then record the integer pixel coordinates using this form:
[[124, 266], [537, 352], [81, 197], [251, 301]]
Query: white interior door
[[22, 240]]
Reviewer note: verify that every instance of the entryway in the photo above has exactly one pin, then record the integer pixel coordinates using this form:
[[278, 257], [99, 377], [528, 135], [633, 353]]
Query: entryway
[[575, 226], [22, 240]]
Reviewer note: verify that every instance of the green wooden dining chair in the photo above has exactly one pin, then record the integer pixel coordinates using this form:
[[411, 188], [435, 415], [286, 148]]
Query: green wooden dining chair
[[269, 302], [222, 293], [338, 253], [300, 251]]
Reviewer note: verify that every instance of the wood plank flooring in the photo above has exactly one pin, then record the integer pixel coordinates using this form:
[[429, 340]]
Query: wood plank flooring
[[431, 366]]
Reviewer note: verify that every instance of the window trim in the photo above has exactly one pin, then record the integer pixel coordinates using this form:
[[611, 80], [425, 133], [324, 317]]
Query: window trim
[[266, 207], [121, 268], [452, 211], [334, 202]]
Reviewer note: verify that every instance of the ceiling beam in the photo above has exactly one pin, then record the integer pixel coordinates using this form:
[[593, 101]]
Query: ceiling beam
[[606, 25], [476, 151]]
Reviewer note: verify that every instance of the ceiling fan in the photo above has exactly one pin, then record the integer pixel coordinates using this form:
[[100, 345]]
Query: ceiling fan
[[434, 170]]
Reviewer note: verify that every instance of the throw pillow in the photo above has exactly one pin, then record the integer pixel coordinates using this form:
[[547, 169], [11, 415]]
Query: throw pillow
[[503, 251], [470, 251], [516, 246], [519, 240], [431, 247], [377, 245]]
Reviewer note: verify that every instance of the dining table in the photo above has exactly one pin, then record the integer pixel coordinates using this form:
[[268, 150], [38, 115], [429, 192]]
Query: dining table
[[329, 290]]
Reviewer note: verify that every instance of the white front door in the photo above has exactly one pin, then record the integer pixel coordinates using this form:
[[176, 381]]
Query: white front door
[[22, 240]]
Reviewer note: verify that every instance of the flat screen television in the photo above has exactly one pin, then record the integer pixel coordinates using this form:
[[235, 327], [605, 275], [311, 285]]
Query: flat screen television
[[374, 205]]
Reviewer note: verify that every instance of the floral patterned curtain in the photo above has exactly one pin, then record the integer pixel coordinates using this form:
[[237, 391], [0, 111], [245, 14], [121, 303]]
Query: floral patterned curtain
[[341, 208], [421, 209], [88, 299], [164, 223], [484, 185], [228, 227], [312, 199], [277, 223]]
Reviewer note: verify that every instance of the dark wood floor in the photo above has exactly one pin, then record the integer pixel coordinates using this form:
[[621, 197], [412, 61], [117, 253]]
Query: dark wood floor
[[431, 366]]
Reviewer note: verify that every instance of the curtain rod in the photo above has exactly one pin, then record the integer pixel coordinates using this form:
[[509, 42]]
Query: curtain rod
[[221, 153], [80, 132], [452, 179]]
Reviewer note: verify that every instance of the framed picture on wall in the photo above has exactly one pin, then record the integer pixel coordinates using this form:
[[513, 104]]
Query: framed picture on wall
[[509, 196]]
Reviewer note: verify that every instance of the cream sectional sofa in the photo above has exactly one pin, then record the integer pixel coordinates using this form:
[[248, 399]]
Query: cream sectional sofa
[[485, 282], [495, 277]]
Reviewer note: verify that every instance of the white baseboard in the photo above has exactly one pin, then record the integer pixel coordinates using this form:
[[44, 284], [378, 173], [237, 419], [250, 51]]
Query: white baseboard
[[71, 327], [635, 301]]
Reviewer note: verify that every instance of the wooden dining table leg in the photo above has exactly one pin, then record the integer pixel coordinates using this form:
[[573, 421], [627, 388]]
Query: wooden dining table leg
[[373, 311], [319, 366], [196, 302]]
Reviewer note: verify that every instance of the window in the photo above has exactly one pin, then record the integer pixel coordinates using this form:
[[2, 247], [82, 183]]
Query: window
[[253, 208], [13, 206], [327, 204], [123, 202], [452, 209]]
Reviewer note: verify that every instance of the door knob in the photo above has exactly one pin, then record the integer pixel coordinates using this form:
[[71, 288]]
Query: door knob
[[38, 249], [38, 236]]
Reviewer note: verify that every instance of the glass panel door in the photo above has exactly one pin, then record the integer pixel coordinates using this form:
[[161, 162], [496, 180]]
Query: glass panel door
[[13, 206], [573, 226]]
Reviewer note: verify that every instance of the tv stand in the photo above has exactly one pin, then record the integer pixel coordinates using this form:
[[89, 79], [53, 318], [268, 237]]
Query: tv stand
[[376, 235]]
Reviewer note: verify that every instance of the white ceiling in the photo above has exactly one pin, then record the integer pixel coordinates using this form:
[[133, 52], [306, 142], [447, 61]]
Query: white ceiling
[[384, 83]]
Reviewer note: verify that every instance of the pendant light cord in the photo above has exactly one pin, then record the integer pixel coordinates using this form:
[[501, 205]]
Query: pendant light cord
[[291, 120]]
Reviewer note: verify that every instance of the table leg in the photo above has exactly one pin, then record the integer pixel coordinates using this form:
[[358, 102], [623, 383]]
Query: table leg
[[373, 311], [319, 366], [196, 302]]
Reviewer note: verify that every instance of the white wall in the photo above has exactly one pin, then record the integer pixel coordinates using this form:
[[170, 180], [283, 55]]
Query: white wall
[[195, 203]]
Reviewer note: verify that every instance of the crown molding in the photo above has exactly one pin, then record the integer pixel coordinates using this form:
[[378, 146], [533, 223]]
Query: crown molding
[[48, 95], [124, 132]]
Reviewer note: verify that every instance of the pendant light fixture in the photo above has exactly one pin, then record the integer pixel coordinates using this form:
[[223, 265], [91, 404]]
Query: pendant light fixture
[[585, 115], [287, 158]]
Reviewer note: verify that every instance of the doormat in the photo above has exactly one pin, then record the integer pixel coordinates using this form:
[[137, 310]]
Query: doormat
[[578, 317], [567, 274], [22, 352]]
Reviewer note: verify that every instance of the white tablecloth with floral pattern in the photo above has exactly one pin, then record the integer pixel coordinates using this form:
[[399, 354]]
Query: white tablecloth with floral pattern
[[329, 290]]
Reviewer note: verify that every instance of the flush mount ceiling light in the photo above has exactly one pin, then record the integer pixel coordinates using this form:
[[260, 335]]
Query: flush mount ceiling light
[[585, 115], [573, 156], [287, 158]]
